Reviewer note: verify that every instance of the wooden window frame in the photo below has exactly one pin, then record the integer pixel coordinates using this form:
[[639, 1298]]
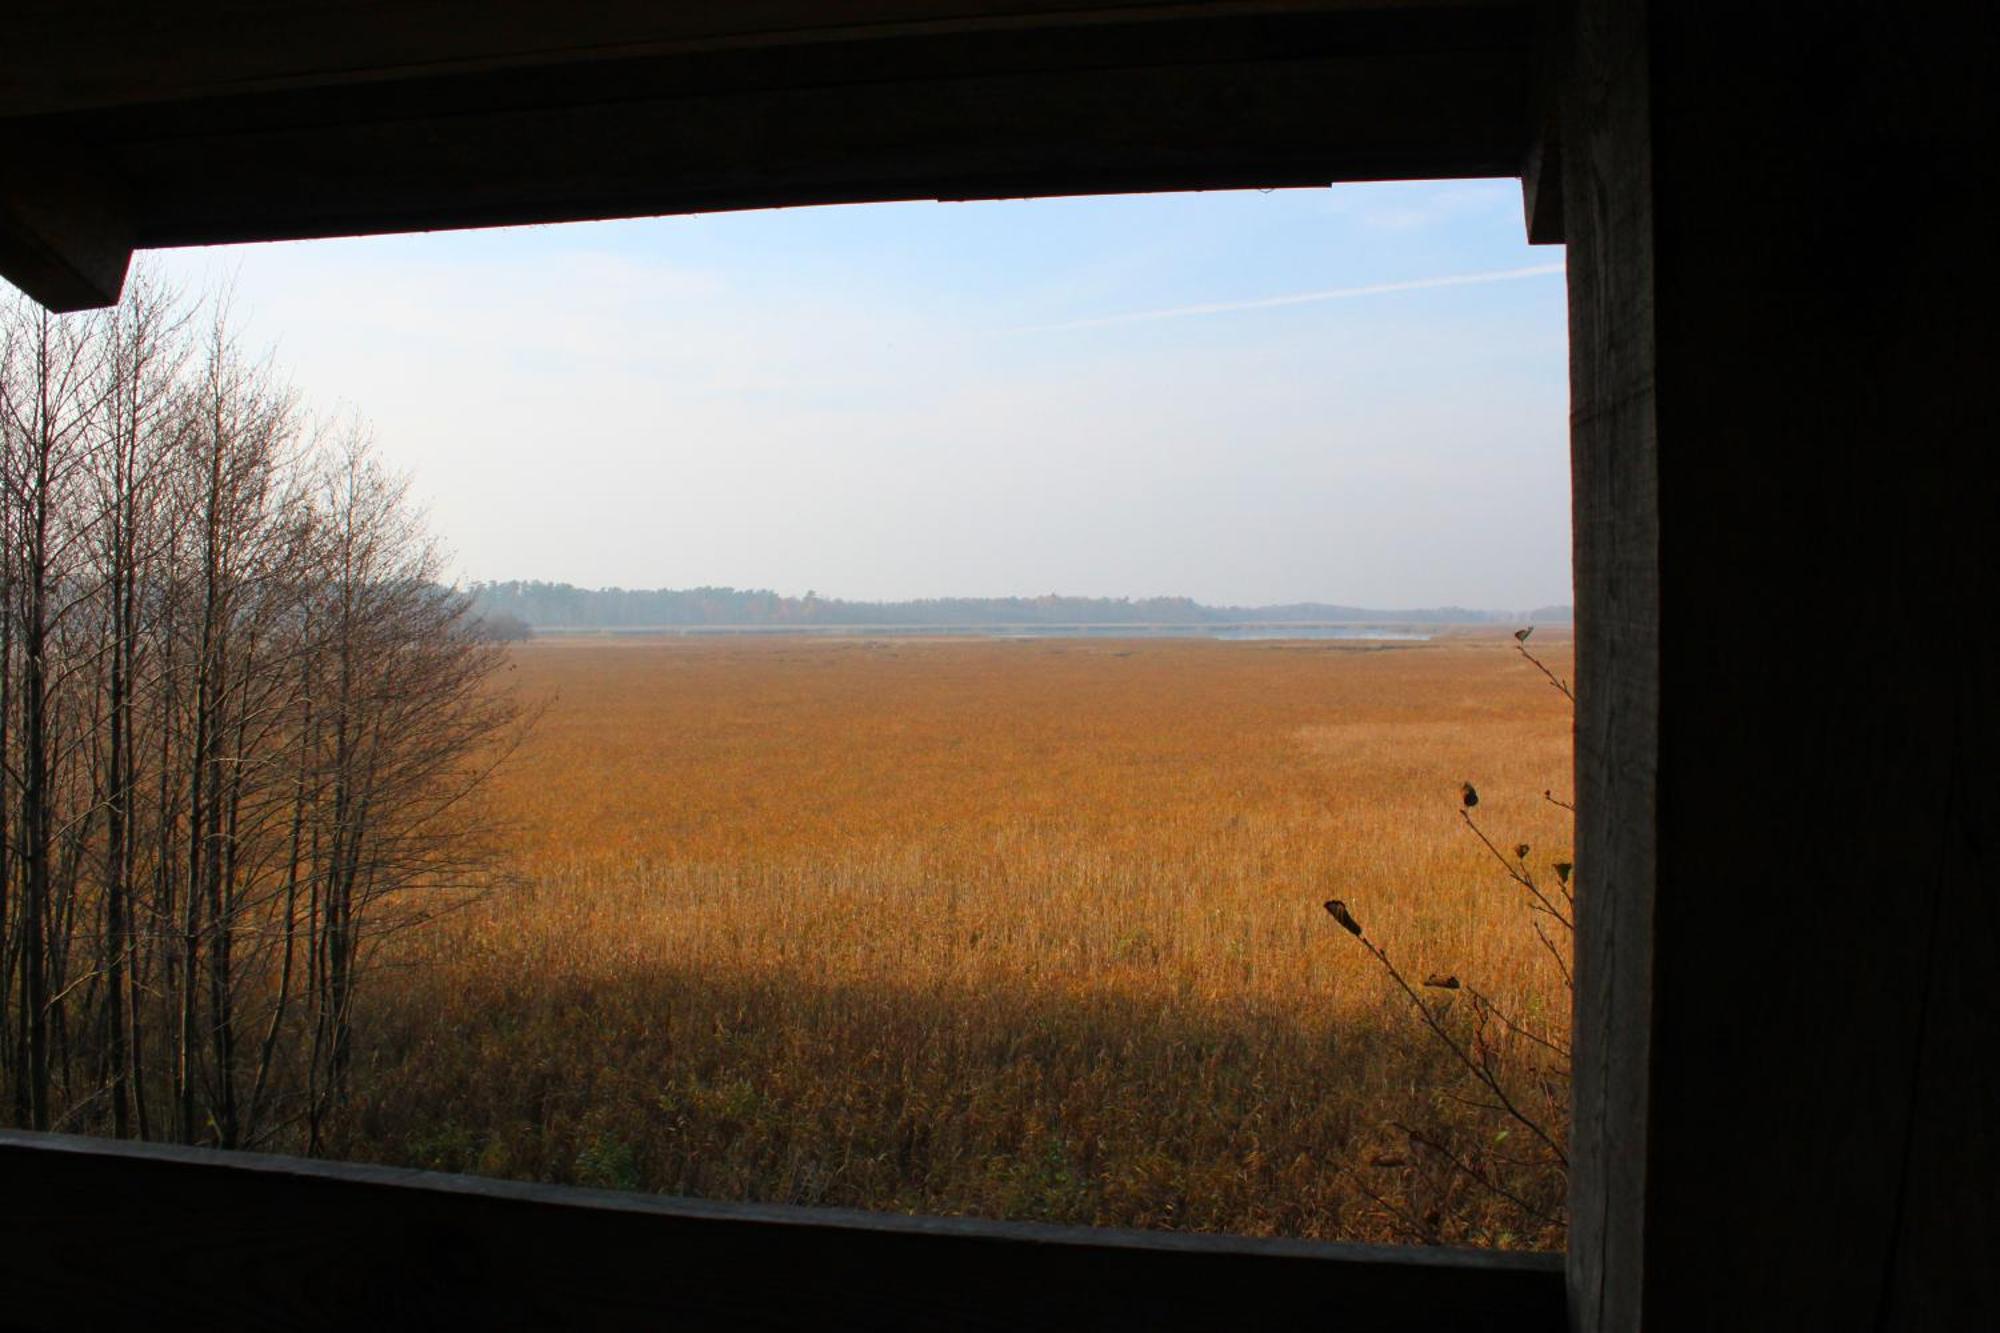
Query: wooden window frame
[[1212, 95], [1711, 164]]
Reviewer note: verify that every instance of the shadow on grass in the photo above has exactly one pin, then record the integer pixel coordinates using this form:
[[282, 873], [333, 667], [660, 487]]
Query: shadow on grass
[[1094, 1107]]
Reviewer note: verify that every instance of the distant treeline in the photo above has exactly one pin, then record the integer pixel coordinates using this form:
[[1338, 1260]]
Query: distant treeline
[[564, 606]]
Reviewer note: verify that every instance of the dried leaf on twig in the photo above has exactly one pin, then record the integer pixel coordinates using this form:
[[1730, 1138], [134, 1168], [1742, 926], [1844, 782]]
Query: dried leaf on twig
[[1338, 911]]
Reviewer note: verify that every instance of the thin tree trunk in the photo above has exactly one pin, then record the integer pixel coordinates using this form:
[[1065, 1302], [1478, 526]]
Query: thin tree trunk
[[35, 794], [292, 866]]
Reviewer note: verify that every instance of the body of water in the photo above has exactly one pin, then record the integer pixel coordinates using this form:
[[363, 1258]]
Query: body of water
[[1407, 633]]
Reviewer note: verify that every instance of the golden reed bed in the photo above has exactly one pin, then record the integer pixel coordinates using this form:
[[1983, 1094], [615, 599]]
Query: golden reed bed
[[1024, 929]]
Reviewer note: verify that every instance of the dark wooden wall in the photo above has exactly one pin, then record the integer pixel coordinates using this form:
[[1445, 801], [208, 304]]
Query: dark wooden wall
[[1615, 524], [1783, 304], [133, 123], [1783, 310], [96, 1236]]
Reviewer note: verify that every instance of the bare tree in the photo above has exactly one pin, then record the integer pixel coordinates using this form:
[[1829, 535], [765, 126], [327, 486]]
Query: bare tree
[[243, 719], [49, 410]]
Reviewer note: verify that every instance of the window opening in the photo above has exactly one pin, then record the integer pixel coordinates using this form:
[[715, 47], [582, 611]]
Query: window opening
[[905, 707]]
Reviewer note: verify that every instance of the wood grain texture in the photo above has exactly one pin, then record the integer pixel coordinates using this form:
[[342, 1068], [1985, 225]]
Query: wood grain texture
[[66, 232], [1782, 286], [1823, 1095], [68, 55], [1277, 121], [1616, 528], [1204, 96], [1542, 160], [1786, 714], [243, 1241]]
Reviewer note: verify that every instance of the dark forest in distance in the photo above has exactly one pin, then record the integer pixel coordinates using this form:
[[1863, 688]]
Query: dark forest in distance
[[563, 606]]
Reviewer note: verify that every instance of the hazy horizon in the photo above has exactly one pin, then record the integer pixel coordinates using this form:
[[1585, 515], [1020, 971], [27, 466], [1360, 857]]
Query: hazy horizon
[[827, 595], [1355, 396]]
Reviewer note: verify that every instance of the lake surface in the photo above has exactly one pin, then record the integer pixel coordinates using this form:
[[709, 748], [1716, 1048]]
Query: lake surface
[[1246, 631]]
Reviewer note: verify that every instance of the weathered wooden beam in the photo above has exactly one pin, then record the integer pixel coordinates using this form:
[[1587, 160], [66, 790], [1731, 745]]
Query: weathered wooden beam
[[969, 105], [1542, 187], [1827, 919], [1274, 122], [66, 234], [1615, 533], [1785, 1088], [76, 55], [99, 1235], [1541, 163]]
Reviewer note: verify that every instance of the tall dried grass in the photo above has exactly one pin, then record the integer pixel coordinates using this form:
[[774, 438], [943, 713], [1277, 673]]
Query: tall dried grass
[[1017, 929]]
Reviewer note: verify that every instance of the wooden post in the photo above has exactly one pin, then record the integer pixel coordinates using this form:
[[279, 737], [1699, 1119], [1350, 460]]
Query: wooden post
[[1783, 308]]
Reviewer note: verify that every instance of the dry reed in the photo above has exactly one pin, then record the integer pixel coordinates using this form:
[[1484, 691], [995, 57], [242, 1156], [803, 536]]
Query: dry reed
[[1016, 929]]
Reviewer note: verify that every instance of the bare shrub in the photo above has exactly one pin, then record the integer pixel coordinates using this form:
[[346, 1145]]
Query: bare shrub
[[1481, 1157]]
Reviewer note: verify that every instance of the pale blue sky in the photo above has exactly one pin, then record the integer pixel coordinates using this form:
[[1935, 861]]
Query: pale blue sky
[[908, 400]]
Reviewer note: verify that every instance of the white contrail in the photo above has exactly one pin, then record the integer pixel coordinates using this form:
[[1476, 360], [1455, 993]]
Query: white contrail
[[1303, 298]]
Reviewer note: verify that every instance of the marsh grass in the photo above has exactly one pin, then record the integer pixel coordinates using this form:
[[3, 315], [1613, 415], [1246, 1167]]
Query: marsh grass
[[1011, 929]]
